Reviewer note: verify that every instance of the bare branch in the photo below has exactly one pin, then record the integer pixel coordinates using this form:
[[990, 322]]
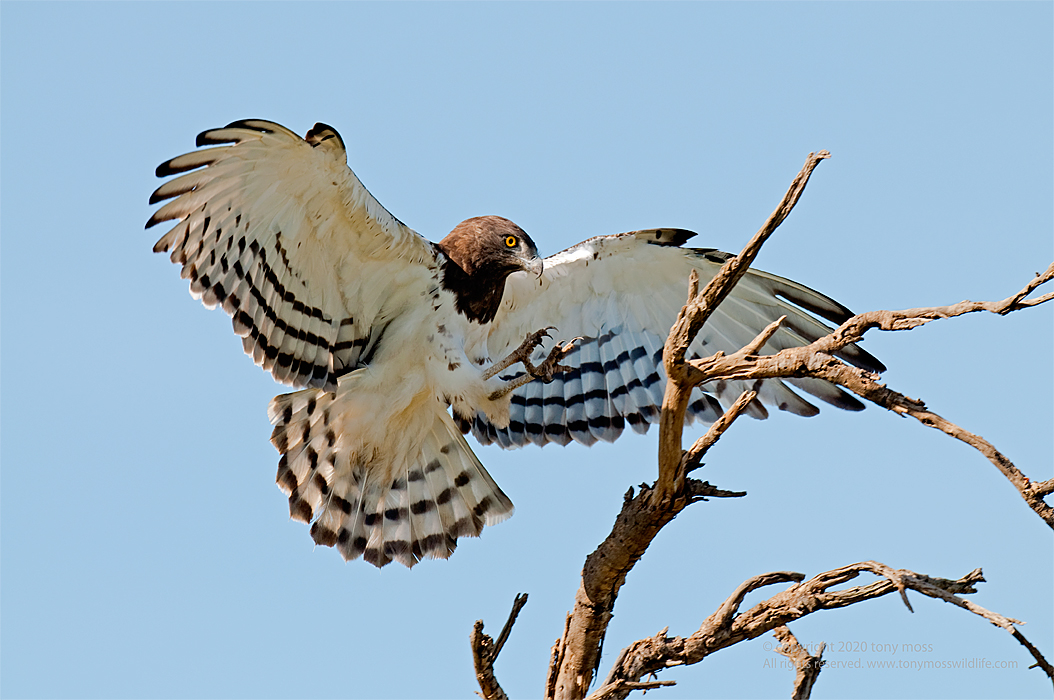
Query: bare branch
[[1043, 488], [485, 652], [690, 459], [754, 346], [482, 646], [724, 614], [724, 628], [517, 605], [807, 666], [557, 656], [719, 287], [817, 360], [1041, 662], [577, 654], [615, 690], [691, 319]]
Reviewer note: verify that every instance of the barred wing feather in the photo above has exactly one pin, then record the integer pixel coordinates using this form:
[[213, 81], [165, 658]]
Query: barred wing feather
[[621, 294], [278, 231]]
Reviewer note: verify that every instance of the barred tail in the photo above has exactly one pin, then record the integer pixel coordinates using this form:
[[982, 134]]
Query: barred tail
[[373, 500]]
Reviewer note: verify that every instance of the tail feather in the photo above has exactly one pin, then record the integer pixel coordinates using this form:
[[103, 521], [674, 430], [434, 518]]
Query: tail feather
[[371, 500]]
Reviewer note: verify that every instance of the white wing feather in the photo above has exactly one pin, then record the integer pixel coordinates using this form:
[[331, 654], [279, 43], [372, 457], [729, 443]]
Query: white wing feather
[[621, 294], [280, 232]]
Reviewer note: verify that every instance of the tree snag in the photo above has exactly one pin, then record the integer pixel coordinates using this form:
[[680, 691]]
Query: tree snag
[[575, 657]]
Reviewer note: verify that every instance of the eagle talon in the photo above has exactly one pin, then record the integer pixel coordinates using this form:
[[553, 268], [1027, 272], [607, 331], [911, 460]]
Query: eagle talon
[[546, 371], [522, 353]]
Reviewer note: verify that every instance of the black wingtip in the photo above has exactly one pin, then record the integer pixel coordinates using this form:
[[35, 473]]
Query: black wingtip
[[261, 125], [831, 310], [665, 236], [713, 255], [203, 139], [153, 221], [322, 132], [865, 360], [849, 402]]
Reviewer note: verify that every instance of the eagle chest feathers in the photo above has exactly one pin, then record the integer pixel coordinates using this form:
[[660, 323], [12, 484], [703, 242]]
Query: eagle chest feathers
[[383, 332]]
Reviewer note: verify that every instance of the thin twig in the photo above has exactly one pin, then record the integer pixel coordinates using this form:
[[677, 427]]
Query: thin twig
[[517, 605], [482, 644], [691, 458], [485, 652], [557, 656]]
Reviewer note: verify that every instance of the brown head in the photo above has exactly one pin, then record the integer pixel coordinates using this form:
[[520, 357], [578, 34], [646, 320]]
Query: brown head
[[481, 252]]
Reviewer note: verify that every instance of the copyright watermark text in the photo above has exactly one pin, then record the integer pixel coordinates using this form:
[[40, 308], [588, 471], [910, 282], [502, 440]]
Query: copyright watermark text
[[874, 655]]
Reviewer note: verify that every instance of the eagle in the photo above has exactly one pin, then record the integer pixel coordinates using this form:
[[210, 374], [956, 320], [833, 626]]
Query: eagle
[[399, 347]]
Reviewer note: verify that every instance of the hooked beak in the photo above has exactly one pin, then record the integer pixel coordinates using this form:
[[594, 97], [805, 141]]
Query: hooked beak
[[536, 266]]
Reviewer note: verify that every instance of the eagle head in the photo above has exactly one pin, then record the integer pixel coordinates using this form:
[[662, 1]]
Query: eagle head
[[491, 245], [481, 252]]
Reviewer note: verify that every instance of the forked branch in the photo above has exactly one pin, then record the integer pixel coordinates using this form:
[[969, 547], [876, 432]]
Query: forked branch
[[728, 626], [818, 360], [576, 656], [691, 319], [485, 652]]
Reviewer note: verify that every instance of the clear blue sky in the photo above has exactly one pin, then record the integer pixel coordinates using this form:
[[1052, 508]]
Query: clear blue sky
[[146, 551]]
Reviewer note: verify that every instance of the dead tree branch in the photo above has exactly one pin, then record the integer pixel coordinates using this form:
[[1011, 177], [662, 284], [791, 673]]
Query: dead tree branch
[[691, 458], [727, 626], [576, 657], [485, 652], [619, 689], [817, 360], [691, 319]]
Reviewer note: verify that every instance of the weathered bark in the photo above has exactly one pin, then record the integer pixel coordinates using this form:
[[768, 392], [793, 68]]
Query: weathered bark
[[728, 626], [807, 666]]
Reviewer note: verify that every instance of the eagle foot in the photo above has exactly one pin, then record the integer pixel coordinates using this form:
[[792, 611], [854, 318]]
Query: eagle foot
[[546, 371], [520, 354], [551, 366]]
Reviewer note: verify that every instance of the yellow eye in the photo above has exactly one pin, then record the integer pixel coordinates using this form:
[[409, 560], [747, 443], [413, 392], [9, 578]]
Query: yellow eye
[[510, 241]]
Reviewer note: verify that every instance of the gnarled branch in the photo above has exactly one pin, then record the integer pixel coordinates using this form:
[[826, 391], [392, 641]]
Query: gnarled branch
[[817, 360], [691, 319], [728, 626], [576, 656]]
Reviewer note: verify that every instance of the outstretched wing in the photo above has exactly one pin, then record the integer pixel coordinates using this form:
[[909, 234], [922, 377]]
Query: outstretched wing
[[280, 232], [621, 294]]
